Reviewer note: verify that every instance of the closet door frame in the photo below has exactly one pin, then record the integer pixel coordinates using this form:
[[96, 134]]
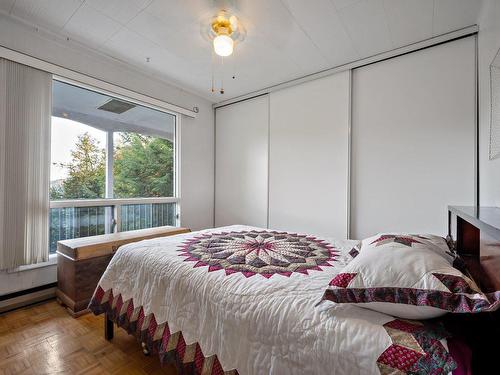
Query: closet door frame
[[476, 115], [436, 41], [331, 101], [263, 96]]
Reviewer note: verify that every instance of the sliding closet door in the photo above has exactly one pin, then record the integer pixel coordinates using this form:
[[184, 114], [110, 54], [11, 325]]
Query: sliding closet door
[[413, 140], [241, 163], [308, 165]]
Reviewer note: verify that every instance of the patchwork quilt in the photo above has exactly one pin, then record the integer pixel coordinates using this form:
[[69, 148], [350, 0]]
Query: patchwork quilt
[[245, 300]]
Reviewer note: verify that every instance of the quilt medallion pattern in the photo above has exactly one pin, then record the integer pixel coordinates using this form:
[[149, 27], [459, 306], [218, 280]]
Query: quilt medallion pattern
[[159, 339], [416, 349], [258, 252]]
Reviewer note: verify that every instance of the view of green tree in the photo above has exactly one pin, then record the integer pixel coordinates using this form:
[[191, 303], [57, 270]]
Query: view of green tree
[[86, 172], [143, 167]]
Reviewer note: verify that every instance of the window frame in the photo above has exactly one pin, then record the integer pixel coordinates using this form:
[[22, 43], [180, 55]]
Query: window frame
[[117, 203]]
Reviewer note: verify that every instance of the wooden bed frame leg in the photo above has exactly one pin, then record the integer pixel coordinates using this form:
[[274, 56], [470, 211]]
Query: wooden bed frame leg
[[108, 327]]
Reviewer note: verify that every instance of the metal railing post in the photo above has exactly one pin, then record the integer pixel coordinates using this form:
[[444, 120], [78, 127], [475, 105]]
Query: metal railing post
[[117, 218]]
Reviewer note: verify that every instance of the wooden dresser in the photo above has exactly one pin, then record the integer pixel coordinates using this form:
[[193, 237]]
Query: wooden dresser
[[82, 261], [477, 233], [478, 242]]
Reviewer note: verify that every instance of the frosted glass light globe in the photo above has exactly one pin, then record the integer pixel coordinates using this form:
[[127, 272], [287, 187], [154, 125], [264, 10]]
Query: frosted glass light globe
[[223, 45]]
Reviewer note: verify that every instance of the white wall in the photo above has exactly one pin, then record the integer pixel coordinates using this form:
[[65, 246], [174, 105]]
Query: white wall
[[197, 170], [197, 144], [29, 278], [489, 43]]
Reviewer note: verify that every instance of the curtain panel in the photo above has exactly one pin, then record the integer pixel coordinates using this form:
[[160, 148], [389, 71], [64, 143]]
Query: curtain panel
[[25, 118]]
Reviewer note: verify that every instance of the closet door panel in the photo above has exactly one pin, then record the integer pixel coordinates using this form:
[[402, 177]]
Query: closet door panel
[[308, 165], [241, 163], [413, 140]]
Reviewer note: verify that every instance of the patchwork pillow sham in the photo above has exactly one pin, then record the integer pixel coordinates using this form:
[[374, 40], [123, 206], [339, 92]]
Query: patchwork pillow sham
[[407, 276], [430, 241]]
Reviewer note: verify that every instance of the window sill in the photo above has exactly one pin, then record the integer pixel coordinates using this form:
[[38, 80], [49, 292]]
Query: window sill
[[51, 262]]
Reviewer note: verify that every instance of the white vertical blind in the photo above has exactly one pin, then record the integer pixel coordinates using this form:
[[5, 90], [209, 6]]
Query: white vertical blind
[[241, 163], [25, 117], [308, 170], [495, 107], [413, 140]]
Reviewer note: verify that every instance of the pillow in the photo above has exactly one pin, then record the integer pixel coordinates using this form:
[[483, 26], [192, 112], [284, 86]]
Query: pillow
[[435, 243], [407, 276]]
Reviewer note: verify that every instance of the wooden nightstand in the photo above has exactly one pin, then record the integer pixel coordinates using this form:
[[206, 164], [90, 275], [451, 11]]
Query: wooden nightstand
[[82, 261]]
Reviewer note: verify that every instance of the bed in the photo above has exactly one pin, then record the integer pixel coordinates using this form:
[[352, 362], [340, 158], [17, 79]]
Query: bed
[[194, 301]]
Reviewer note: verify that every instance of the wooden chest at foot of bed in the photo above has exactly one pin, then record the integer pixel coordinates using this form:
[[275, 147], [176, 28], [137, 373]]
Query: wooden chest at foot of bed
[[82, 261]]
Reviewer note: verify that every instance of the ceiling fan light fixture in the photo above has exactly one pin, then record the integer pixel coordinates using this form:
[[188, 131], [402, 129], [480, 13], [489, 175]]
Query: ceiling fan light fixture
[[223, 45], [223, 30]]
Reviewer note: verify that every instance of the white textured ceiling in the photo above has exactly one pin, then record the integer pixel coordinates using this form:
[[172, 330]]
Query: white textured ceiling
[[286, 39]]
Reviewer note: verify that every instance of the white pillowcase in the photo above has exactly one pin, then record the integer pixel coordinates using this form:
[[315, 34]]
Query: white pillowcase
[[408, 276]]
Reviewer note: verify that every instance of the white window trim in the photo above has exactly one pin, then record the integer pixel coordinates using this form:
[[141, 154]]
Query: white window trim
[[51, 262], [110, 202]]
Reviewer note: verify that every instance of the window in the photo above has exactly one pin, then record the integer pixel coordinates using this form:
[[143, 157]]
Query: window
[[113, 165]]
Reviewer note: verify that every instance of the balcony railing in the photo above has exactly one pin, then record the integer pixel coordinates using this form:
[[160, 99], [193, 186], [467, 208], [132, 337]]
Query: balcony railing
[[82, 218]]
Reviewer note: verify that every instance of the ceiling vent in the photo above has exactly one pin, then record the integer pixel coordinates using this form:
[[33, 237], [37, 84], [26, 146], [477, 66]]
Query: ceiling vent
[[116, 106]]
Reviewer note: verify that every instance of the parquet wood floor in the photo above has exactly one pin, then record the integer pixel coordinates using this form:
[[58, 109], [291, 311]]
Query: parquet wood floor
[[44, 339]]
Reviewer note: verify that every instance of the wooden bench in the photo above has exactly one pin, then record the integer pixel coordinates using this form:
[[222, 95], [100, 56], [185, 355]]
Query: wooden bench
[[82, 261]]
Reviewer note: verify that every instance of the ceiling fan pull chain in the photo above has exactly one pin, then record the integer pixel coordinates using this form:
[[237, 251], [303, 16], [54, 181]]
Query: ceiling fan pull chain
[[222, 76]]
